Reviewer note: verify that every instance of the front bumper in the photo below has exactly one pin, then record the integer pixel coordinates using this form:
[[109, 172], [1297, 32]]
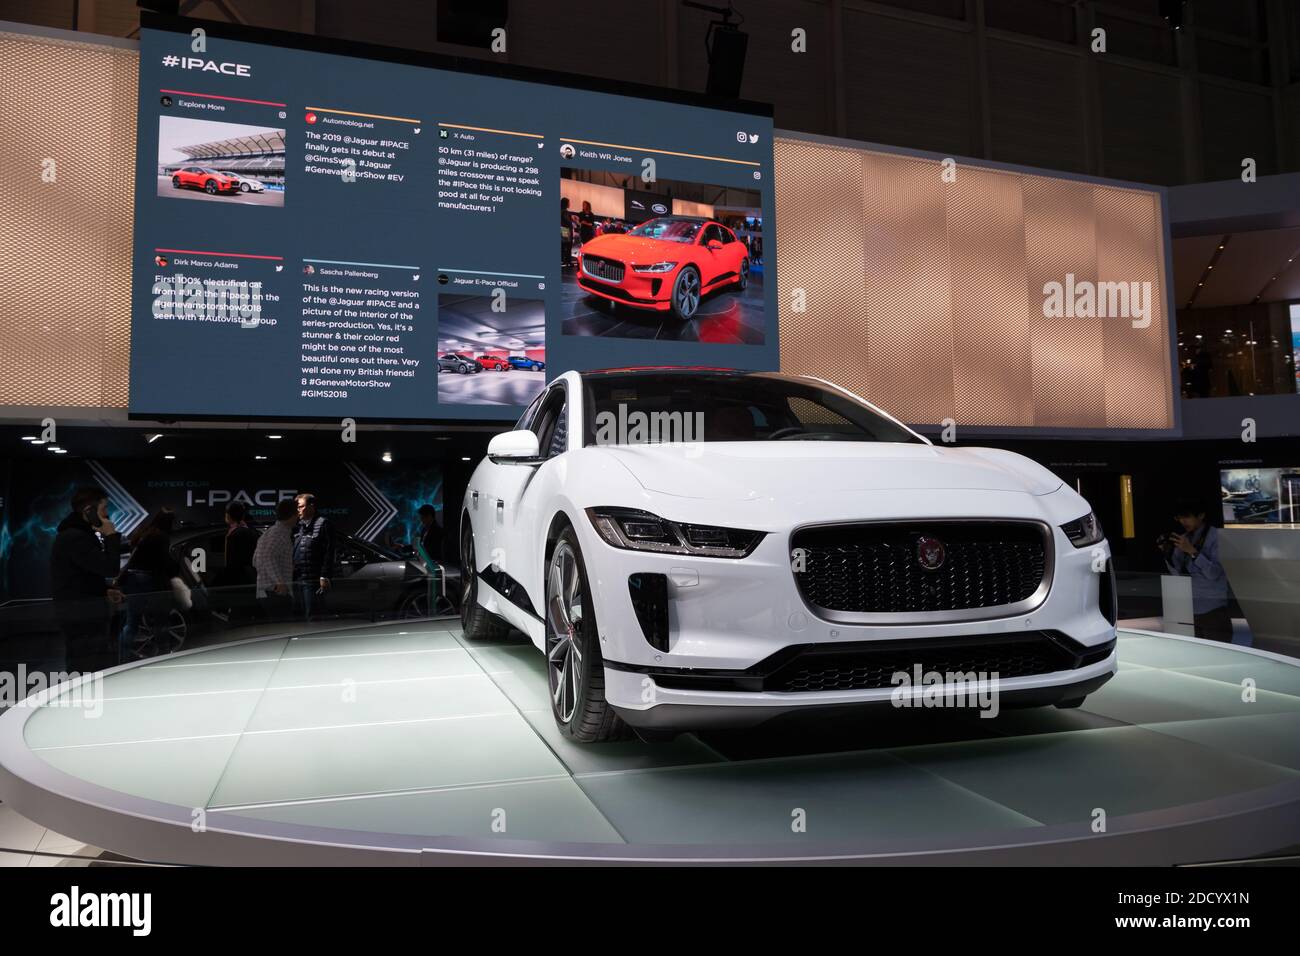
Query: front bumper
[[641, 290], [677, 709], [731, 617]]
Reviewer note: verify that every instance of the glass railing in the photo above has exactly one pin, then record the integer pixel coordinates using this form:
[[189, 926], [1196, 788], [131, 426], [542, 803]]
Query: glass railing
[[39, 637]]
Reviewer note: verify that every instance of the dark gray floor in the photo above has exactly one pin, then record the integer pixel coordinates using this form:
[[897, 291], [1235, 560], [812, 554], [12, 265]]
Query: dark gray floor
[[515, 387], [271, 197]]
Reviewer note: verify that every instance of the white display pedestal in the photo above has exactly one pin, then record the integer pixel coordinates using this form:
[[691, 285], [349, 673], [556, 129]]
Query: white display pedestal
[[1263, 567], [1176, 602]]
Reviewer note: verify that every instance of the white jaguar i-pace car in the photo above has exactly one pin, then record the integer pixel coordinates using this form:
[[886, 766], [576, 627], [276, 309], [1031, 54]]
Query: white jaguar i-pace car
[[702, 547]]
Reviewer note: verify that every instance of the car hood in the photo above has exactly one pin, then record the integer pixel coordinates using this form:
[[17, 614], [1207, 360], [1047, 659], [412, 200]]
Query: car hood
[[640, 248], [747, 471]]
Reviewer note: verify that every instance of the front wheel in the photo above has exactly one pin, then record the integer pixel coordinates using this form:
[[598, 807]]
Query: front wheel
[[211, 187], [742, 281], [243, 187], [176, 182], [686, 294], [575, 672]]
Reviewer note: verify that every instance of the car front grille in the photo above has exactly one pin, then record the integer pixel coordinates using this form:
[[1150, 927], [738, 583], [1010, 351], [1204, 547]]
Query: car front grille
[[598, 267], [876, 669], [875, 568]]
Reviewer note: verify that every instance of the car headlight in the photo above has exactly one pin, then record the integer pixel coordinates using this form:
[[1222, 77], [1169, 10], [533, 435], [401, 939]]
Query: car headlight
[[641, 531], [1083, 531], [655, 267]]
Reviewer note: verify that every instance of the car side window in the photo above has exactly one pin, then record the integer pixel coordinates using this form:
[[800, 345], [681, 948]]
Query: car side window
[[552, 423], [526, 419]]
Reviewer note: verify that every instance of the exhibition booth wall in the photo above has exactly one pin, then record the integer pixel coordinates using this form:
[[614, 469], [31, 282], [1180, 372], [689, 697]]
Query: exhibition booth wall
[[930, 302]]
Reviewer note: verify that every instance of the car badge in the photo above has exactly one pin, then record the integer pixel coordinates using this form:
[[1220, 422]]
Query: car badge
[[930, 553]]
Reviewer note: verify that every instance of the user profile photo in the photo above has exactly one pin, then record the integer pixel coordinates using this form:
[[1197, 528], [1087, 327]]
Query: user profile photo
[[309, 270], [166, 100], [161, 261], [567, 151]]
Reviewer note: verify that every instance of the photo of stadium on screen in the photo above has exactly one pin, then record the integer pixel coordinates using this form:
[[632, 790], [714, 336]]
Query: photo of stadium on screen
[[220, 162]]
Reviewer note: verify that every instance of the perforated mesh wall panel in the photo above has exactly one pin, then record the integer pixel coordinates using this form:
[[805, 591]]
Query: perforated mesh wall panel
[[927, 297], [67, 156]]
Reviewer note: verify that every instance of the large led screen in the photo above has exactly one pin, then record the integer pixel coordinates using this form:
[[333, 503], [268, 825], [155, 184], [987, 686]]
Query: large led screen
[[321, 235]]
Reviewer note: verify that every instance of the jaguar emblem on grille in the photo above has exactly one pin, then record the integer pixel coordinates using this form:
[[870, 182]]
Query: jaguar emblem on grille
[[930, 553]]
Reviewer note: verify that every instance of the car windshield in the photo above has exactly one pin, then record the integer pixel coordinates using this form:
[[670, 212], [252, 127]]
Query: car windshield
[[653, 406], [673, 230]]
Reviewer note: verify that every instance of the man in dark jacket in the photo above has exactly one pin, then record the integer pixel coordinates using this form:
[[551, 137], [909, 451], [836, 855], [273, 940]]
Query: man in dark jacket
[[85, 556], [313, 559]]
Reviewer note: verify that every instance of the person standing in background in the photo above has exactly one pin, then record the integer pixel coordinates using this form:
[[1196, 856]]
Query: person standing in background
[[313, 559], [566, 234], [237, 578], [430, 541], [273, 561], [1195, 553], [147, 583], [586, 223], [86, 554]]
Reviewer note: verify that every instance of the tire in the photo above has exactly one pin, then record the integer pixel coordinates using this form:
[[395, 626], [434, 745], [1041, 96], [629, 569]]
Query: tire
[[210, 187], [742, 281], [176, 182], [243, 188], [575, 673], [476, 621], [685, 297]]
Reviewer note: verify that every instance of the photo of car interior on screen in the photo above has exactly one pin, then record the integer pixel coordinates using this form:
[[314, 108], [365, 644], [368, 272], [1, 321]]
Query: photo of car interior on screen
[[679, 433]]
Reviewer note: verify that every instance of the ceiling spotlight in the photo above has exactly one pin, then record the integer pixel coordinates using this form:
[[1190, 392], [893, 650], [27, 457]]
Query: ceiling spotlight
[[466, 458], [274, 437], [153, 437], [30, 438], [59, 451], [259, 458], [386, 456], [169, 457]]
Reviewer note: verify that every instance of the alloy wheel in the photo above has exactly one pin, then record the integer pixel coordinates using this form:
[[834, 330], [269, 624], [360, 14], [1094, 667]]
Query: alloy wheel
[[564, 599], [687, 293]]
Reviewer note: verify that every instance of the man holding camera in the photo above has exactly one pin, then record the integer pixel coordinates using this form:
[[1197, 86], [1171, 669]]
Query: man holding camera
[[1195, 553]]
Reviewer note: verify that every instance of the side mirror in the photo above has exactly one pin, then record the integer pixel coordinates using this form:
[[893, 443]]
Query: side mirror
[[714, 244], [514, 448]]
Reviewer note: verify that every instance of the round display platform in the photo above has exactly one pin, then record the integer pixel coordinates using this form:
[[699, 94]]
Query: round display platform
[[407, 745]]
